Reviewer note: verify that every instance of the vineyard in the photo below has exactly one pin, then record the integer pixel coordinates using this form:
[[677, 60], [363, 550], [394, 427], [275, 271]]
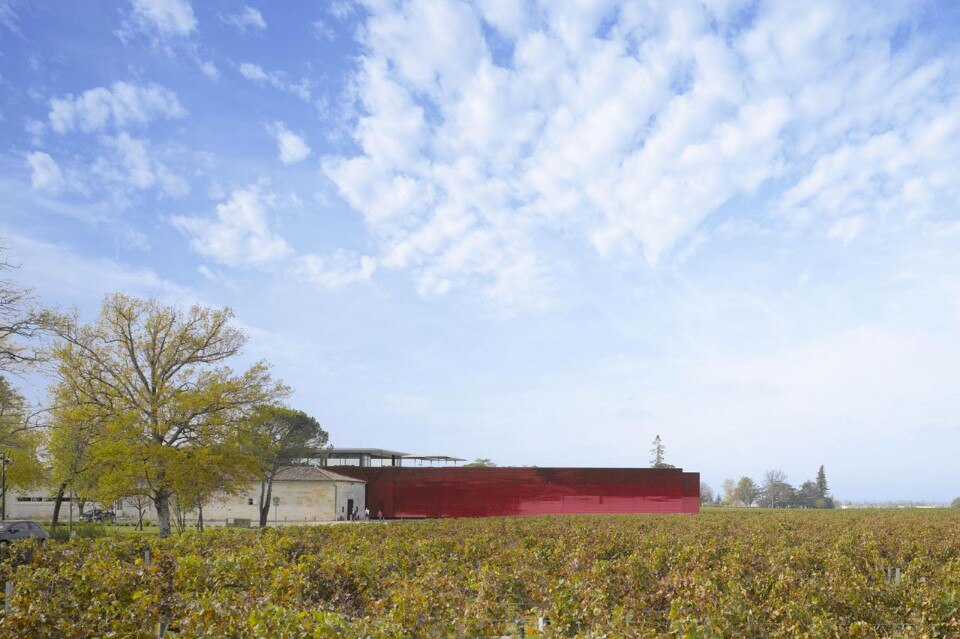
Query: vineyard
[[756, 574]]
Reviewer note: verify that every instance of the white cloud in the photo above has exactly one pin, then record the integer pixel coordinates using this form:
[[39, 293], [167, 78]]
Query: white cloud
[[133, 240], [240, 233], [290, 146], [209, 69], [510, 17], [625, 127], [121, 105], [253, 72], [8, 17], [323, 31], [66, 276], [36, 129], [217, 277], [130, 164], [335, 270], [340, 9], [169, 26], [275, 79], [166, 17], [249, 19], [120, 166], [847, 229], [911, 172], [46, 174]]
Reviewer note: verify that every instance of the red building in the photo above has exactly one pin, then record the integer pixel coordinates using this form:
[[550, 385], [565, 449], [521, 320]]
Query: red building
[[460, 491]]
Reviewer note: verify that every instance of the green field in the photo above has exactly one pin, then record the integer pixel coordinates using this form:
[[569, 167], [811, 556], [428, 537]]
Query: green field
[[718, 574]]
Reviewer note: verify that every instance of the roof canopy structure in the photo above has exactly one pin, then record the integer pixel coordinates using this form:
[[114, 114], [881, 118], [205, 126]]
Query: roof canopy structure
[[435, 458], [378, 453], [376, 457]]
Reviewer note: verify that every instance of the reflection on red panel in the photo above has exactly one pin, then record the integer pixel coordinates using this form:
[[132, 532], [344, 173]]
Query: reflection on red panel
[[488, 492]]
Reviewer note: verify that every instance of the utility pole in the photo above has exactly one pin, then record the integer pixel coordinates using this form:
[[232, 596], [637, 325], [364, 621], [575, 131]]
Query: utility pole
[[3, 490], [4, 462]]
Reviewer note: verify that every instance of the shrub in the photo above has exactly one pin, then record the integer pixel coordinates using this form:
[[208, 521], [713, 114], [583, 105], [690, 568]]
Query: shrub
[[722, 573], [59, 532], [82, 530], [90, 531]]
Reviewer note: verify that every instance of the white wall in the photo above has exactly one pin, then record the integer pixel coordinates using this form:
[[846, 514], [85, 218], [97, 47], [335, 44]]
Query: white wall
[[300, 501]]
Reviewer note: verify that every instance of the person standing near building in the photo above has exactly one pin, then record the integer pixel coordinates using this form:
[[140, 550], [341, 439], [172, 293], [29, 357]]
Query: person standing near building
[[366, 514]]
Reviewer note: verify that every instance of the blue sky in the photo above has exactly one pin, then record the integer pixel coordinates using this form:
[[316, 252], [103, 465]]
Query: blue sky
[[539, 233]]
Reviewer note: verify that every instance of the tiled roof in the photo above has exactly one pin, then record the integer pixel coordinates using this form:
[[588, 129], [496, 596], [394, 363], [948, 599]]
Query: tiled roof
[[309, 473]]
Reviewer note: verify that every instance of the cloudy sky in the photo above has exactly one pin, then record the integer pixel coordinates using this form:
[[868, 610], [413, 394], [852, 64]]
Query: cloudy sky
[[539, 233]]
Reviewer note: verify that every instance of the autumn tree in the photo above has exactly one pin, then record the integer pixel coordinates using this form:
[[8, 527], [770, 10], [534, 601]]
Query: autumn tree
[[729, 488], [746, 492], [155, 377], [706, 495], [14, 420], [140, 503], [21, 322], [808, 496], [776, 491], [18, 441], [282, 437], [225, 469], [71, 432]]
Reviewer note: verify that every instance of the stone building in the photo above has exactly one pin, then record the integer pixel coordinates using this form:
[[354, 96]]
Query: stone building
[[301, 494]]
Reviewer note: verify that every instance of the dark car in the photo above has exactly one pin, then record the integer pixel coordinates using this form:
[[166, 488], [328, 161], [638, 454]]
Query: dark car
[[100, 516], [13, 530]]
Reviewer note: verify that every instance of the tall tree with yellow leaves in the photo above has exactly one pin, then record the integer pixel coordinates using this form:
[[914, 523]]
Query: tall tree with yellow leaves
[[155, 378]]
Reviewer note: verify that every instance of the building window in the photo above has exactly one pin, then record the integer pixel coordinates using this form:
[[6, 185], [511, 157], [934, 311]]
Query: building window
[[250, 501]]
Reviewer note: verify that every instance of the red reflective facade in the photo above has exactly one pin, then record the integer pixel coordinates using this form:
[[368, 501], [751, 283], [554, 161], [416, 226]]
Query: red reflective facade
[[495, 492]]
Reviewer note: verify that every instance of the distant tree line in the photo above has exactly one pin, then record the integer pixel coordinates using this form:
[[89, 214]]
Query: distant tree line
[[773, 492], [900, 503]]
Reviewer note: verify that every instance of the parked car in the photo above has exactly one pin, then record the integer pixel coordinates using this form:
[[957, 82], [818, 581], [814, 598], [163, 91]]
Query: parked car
[[13, 530], [99, 515]]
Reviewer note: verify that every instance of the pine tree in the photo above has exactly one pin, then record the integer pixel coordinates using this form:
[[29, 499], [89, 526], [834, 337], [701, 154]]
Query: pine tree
[[658, 454], [823, 490]]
